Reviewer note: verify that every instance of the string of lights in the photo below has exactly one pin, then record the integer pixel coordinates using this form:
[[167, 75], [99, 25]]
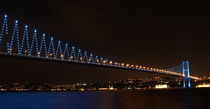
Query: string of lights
[[50, 48]]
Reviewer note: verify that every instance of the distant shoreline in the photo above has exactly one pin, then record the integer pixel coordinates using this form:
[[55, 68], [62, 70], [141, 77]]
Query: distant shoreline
[[172, 89]]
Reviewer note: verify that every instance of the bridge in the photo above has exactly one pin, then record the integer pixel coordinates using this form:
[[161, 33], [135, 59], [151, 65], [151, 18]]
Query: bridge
[[23, 42]]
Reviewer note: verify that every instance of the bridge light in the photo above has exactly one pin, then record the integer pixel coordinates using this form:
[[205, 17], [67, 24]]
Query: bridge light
[[5, 16], [140, 67]]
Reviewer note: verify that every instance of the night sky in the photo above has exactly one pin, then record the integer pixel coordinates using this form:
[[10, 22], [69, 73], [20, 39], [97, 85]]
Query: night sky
[[151, 33]]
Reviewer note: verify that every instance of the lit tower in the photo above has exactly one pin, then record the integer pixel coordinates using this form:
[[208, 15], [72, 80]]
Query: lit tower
[[186, 74]]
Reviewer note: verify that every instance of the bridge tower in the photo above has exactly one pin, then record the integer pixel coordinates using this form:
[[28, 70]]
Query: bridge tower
[[186, 74]]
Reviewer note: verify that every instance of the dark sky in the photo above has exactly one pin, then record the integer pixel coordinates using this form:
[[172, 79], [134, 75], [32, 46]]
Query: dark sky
[[154, 33]]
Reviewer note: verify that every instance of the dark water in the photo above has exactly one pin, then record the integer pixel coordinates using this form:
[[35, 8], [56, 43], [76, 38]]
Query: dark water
[[150, 99]]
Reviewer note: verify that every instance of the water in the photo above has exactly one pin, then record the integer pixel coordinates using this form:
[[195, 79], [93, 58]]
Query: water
[[147, 99]]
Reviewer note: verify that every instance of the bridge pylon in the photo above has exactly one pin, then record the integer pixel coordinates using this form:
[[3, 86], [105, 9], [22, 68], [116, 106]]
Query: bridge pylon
[[186, 74]]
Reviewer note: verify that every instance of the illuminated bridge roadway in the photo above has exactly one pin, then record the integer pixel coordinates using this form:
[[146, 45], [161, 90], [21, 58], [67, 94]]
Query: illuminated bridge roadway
[[17, 40]]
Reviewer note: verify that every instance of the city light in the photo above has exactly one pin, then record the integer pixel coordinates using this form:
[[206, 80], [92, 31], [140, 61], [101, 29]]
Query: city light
[[104, 62], [111, 62], [127, 65], [161, 86], [203, 85], [72, 57], [122, 64]]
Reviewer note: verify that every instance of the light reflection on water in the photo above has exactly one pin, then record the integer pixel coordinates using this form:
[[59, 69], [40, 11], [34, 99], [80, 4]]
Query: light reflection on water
[[149, 99]]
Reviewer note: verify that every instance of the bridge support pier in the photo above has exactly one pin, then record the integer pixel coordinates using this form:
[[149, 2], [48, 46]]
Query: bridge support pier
[[186, 74]]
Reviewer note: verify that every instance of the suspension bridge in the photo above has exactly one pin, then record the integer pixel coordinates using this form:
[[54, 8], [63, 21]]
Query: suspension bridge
[[17, 40]]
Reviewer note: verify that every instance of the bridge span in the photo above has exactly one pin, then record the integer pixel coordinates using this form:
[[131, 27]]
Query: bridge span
[[23, 42]]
